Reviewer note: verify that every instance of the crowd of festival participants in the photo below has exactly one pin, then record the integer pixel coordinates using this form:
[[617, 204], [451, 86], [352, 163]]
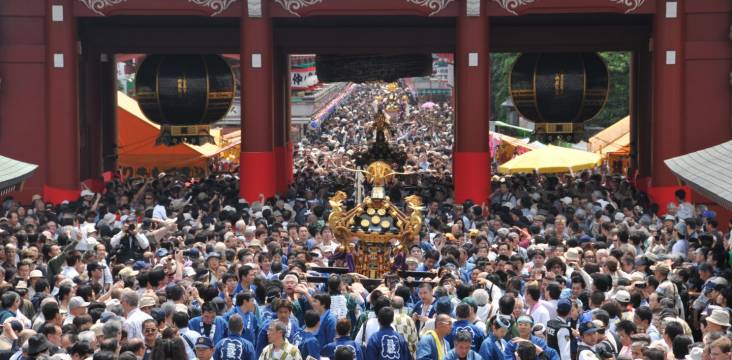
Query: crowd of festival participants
[[552, 267]]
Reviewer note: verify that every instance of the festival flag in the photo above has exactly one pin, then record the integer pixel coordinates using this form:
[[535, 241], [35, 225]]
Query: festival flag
[[56, 195]]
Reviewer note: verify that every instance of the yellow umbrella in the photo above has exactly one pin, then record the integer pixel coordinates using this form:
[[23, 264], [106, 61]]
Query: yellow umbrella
[[551, 159]]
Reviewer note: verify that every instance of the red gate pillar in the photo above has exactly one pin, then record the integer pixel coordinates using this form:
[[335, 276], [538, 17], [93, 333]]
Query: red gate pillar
[[257, 161], [471, 158], [91, 114], [668, 90], [61, 114], [281, 95]]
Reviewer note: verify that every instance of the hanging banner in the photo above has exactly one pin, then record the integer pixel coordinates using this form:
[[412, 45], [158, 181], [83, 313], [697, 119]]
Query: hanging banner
[[303, 78]]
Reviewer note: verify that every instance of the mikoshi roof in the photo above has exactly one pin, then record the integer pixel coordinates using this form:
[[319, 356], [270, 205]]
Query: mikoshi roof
[[551, 159], [13, 173], [707, 171]]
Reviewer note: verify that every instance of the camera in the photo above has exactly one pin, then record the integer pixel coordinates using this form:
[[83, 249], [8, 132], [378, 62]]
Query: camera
[[191, 253], [130, 227]]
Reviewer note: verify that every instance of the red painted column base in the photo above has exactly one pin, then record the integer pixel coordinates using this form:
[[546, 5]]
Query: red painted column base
[[472, 176], [257, 173], [280, 176]]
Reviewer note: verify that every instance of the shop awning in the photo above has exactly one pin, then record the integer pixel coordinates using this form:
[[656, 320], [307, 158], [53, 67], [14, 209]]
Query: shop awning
[[140, 156], [612, 139], [551, 159], [13, 173], [707, 171]]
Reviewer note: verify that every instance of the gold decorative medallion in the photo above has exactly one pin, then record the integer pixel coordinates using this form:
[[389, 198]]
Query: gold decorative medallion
[[365, 223], [370, 211], [385, 224], [375, 219], [382, 212]]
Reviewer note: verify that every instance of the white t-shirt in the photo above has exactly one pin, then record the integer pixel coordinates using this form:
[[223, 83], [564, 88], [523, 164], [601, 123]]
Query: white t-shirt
[[539, 313]]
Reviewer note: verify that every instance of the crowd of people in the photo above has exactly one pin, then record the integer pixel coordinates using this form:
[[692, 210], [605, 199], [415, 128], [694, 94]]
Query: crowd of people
[[424, 135], [551, 267]]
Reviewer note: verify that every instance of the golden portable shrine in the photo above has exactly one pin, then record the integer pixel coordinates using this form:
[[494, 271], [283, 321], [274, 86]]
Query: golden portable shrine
[[383, 231]]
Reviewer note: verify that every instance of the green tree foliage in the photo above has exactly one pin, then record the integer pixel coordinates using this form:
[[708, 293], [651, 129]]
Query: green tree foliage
[[501, 65], [618, 102], [617, 105]]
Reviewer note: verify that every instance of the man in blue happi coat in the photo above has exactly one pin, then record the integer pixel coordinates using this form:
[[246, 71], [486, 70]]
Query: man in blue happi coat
[[326, 333], [246, 308], [525, 324], [283, 311], [433, 345], [208, 324], [462, 351], [343, 330], [305, 340], [234, 346], [494, 344], [463, 323], [387, 344]]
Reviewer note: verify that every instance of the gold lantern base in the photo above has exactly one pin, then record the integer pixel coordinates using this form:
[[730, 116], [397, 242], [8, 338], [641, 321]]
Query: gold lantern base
[[191, 134]]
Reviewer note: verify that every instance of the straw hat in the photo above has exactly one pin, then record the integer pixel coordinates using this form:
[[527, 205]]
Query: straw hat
[[719, 317]]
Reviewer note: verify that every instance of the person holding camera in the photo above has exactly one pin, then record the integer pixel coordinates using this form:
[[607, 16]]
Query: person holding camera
[[129, 244]]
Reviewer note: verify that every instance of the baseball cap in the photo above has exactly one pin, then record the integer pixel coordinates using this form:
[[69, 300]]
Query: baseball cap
[[622, 296], [642, 261], [470, 301], [139, 265], [146, 301], [158, 314], [106, 316], [564, 305], [566, 293], [661, 268], [77, 302], [204, 342], [588, 327], [127, 272], [213, 255]]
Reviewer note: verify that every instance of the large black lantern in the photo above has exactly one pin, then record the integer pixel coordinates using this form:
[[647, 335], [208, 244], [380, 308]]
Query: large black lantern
[[559, 92], [185, 94]]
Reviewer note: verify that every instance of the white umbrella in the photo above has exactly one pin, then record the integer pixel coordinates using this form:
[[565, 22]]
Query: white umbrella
[[428, 105]]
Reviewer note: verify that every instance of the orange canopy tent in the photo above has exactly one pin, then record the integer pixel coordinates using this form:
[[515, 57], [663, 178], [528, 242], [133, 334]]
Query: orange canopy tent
[[138, 154], [614, 139]]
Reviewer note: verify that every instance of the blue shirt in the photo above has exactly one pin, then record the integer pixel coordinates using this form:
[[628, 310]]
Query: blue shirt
[[234, 347], [464, 325], [492, 348], [251, 325], [427, 348], [387, 344], [344, 341], [681, 247], [308, 344], [510, 349], [326, 331], [310, 243], [216, 332], [472, 355], [418, 310], [240, 288]]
